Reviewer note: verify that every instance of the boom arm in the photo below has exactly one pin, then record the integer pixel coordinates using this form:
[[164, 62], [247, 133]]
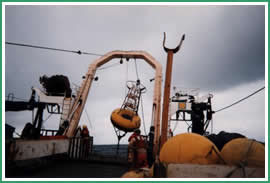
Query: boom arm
[[78, 106]]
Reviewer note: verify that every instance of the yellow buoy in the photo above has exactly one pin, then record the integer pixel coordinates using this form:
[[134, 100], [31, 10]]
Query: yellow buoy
[[246, 151], [139, 173], [125, 120], [133, 174], [189, 148]]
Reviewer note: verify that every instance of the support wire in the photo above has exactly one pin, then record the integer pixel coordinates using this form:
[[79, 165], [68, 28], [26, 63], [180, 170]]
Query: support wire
[[240, 100]]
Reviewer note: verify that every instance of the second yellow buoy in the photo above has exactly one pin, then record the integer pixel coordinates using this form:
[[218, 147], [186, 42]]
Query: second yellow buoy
[[242, 150]]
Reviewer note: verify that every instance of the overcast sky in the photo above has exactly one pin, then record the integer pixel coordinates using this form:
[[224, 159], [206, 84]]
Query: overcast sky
[[223, 54]]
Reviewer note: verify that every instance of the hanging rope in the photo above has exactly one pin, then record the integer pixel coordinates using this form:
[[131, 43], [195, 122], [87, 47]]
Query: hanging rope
[[240, 100], [175, 125], [136, 68], [88, 119], [143, 116]]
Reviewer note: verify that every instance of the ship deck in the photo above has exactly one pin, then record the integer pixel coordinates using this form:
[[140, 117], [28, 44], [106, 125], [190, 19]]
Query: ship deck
[[104, 162], [72, 169]]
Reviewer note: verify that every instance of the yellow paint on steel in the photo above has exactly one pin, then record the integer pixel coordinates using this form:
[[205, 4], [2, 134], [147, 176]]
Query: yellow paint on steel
[[244, 151], [125, 120], [189, 148]]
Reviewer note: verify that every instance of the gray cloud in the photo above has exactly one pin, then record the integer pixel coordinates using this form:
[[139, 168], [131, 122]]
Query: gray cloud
[[224, 49]]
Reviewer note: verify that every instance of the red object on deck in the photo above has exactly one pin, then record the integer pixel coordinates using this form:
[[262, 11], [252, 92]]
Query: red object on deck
[[53, 137]]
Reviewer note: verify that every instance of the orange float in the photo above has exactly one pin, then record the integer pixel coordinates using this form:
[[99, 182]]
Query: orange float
[[125, 120], [244, 151], [189, 148]]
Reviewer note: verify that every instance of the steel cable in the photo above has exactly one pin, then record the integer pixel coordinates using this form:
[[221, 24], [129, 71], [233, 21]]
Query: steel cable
[[240, 100], [53, 49]]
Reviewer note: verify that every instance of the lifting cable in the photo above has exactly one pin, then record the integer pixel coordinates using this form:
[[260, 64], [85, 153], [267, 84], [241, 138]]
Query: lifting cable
[[240, 100], [53, 49], [136, 68], [126, 79]]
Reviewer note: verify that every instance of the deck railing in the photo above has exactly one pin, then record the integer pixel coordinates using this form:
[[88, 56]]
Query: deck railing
[[80, 148]]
